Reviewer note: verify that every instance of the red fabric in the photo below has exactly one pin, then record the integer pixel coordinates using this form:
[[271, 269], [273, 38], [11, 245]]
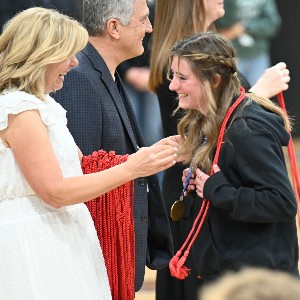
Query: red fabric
[[293, 161], [113, 218], [176, 265]]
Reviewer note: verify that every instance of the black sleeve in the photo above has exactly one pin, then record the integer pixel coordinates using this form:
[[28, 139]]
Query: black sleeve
[[265, 193]]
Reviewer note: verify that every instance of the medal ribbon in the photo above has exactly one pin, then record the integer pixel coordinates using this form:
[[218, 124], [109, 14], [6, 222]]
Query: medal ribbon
[[177, 209]]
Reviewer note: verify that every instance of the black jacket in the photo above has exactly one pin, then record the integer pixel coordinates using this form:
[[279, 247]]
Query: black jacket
[[251, 220]]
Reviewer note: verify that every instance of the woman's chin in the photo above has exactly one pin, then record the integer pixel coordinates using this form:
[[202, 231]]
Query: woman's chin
[[184, 105]]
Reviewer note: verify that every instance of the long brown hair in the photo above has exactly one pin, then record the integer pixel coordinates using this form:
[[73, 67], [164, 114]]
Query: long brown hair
[[173, 20], [209, 54]]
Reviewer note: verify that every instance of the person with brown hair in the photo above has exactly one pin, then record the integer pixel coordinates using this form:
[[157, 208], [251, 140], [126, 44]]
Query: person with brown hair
[[175, 20], [245, 206]]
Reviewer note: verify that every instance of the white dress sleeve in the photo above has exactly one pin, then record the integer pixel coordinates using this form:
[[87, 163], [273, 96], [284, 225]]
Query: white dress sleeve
[[15, 102]]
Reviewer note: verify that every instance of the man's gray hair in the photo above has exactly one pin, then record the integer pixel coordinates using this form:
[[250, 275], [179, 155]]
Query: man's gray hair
[[96, 13]]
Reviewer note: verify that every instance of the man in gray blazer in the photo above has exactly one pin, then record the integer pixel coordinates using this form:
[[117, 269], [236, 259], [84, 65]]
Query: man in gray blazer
[[100, 115]]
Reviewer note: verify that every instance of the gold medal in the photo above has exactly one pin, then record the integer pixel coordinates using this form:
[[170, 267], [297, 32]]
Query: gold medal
[[177, 209]]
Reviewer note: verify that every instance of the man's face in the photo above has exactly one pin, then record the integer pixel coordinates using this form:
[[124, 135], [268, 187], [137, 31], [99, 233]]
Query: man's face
[[132, 34]]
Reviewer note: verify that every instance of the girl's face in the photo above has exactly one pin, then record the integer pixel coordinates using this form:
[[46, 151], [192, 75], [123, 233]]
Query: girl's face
[[190, 90], [214, 9], [55, 74]]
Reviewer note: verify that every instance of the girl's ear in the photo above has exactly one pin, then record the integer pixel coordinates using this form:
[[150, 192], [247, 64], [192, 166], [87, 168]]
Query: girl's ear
[[216, 80]]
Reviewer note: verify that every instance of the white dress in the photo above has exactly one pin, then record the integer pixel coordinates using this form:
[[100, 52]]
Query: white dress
[[45, 253]]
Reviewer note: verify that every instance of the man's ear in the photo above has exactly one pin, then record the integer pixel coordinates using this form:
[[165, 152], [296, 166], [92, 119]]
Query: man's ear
[[113, 26], [216, 80]]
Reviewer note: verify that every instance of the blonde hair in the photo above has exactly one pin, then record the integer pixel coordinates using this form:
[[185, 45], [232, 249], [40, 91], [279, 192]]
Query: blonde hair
[[174, 20], [209, 54], [32, 40], [253, 283]]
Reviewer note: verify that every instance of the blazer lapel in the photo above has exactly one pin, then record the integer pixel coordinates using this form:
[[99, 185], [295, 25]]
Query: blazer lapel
[[111, 86]]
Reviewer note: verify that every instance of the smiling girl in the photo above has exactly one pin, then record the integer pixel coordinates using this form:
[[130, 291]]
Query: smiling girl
[[252, 206]]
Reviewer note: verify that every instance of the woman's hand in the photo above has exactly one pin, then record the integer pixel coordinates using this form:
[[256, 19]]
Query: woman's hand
[[150, 160], [172, 140], [273, 81], [201, 178]]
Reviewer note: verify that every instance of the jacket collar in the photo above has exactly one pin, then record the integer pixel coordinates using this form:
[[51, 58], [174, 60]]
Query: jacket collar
[[101, 66]]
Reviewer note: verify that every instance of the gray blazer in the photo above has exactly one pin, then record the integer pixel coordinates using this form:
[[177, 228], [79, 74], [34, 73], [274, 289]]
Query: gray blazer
[[99, 118]]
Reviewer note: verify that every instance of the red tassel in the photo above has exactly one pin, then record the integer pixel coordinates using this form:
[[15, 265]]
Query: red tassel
[[113, 218], [176, 266], [173, 263]]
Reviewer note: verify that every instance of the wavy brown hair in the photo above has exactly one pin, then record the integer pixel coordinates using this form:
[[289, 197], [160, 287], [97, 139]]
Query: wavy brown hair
[[32, 40], [209, 54]]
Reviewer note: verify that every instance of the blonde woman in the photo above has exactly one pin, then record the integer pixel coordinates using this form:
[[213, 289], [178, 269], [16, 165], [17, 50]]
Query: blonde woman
[[49, 247]]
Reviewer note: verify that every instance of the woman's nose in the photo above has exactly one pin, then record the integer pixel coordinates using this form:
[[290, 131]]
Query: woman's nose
[[173, 84]]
